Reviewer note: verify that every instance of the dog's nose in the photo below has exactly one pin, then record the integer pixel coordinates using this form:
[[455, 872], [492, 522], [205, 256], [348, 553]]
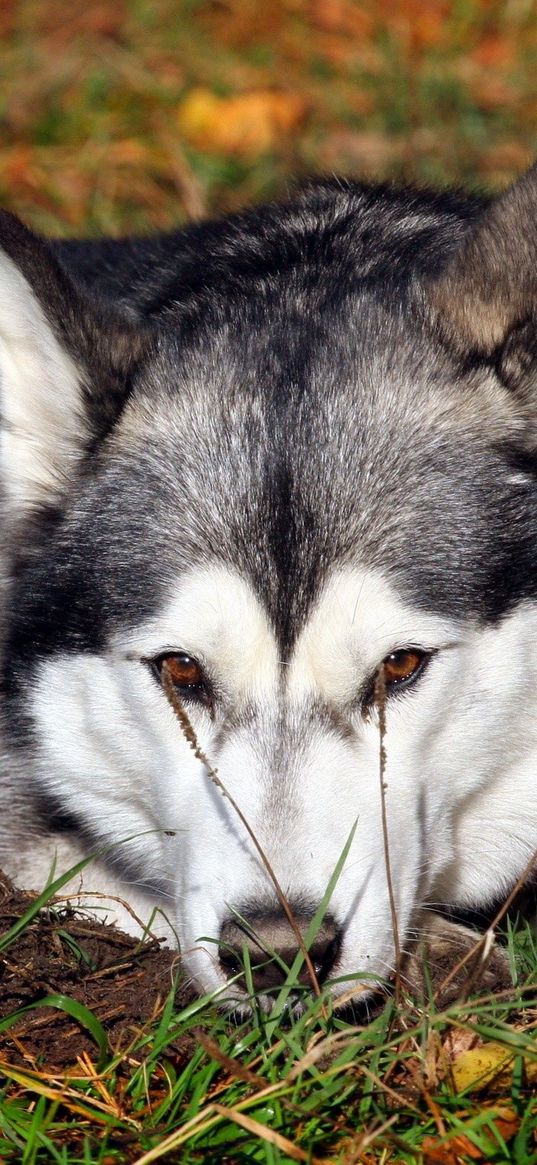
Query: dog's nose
[[271, 946]]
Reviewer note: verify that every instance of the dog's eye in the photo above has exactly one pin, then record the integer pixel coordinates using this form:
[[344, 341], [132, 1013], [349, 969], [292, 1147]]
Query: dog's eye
[[402, 667], [183, 670], [185, 673], [399, 670]]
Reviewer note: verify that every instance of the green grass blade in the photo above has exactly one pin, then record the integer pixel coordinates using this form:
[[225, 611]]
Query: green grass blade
[[50, 890], [311, 932]]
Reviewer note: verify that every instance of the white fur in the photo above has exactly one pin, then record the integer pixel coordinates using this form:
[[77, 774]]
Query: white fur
[[41, 423], [460, 771]]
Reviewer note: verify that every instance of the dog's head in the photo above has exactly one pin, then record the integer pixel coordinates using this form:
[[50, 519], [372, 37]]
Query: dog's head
[[305, 493]]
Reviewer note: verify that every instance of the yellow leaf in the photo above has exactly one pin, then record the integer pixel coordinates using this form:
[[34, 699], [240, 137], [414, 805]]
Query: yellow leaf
[[479, 1066], [246, 124]]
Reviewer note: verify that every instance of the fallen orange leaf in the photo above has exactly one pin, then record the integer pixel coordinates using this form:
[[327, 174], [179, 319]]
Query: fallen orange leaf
[[447, 1150]]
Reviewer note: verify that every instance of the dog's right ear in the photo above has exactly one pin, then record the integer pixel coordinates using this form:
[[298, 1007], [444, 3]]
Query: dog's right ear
[[65, 370], [485, 300]]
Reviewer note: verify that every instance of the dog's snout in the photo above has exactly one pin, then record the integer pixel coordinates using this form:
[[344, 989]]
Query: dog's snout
[[269, 943]]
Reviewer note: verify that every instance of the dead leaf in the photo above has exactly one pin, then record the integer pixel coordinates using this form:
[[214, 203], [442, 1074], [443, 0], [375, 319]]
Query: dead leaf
[[460, 1039], [496, 51], [492, 1063], [447, 1150], [478, 1067], [247, 124]]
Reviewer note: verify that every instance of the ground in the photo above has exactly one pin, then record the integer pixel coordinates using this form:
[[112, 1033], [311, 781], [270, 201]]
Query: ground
[[123, 982]]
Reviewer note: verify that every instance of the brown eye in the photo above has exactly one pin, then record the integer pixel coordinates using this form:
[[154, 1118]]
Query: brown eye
[[185, 672], [403, 666]]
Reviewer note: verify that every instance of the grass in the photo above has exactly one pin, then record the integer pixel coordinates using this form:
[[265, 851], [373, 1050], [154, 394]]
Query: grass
[[414, 1083]]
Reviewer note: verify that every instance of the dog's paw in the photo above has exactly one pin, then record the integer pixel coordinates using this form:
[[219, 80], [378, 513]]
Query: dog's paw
[[449, 961]]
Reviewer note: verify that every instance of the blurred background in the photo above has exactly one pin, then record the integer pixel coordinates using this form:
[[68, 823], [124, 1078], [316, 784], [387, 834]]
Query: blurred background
[[131, 115]]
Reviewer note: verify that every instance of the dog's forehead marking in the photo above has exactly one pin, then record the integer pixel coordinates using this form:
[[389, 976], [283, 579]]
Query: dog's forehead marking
[[357, 620], [215, 615]]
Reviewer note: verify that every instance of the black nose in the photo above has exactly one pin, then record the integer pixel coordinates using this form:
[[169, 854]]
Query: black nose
[[271, 947]]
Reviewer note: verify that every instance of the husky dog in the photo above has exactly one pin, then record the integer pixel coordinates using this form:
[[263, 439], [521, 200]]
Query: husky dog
[[274, 466]]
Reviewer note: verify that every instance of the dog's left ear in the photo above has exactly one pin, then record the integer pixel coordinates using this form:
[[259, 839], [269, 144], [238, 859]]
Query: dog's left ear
[[66, 365], [486, 298]]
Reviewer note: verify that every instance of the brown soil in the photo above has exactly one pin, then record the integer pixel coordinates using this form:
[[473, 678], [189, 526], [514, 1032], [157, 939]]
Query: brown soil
[[123, 982]]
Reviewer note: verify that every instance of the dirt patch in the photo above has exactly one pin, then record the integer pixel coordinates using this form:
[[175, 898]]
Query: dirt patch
[[123, 982]]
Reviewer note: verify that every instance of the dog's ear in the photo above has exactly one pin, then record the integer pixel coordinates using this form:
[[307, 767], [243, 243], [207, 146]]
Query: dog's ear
[[486, 297], [65, 370]]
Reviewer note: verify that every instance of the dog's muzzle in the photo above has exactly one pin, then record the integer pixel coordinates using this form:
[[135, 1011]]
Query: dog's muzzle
[[266, 940]]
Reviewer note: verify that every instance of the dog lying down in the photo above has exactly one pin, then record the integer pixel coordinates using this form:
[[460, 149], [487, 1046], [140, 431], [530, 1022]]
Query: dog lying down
[[263, 470]]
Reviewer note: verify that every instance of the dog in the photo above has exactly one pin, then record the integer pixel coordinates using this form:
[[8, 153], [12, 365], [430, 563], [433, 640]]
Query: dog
[[269, 498]]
